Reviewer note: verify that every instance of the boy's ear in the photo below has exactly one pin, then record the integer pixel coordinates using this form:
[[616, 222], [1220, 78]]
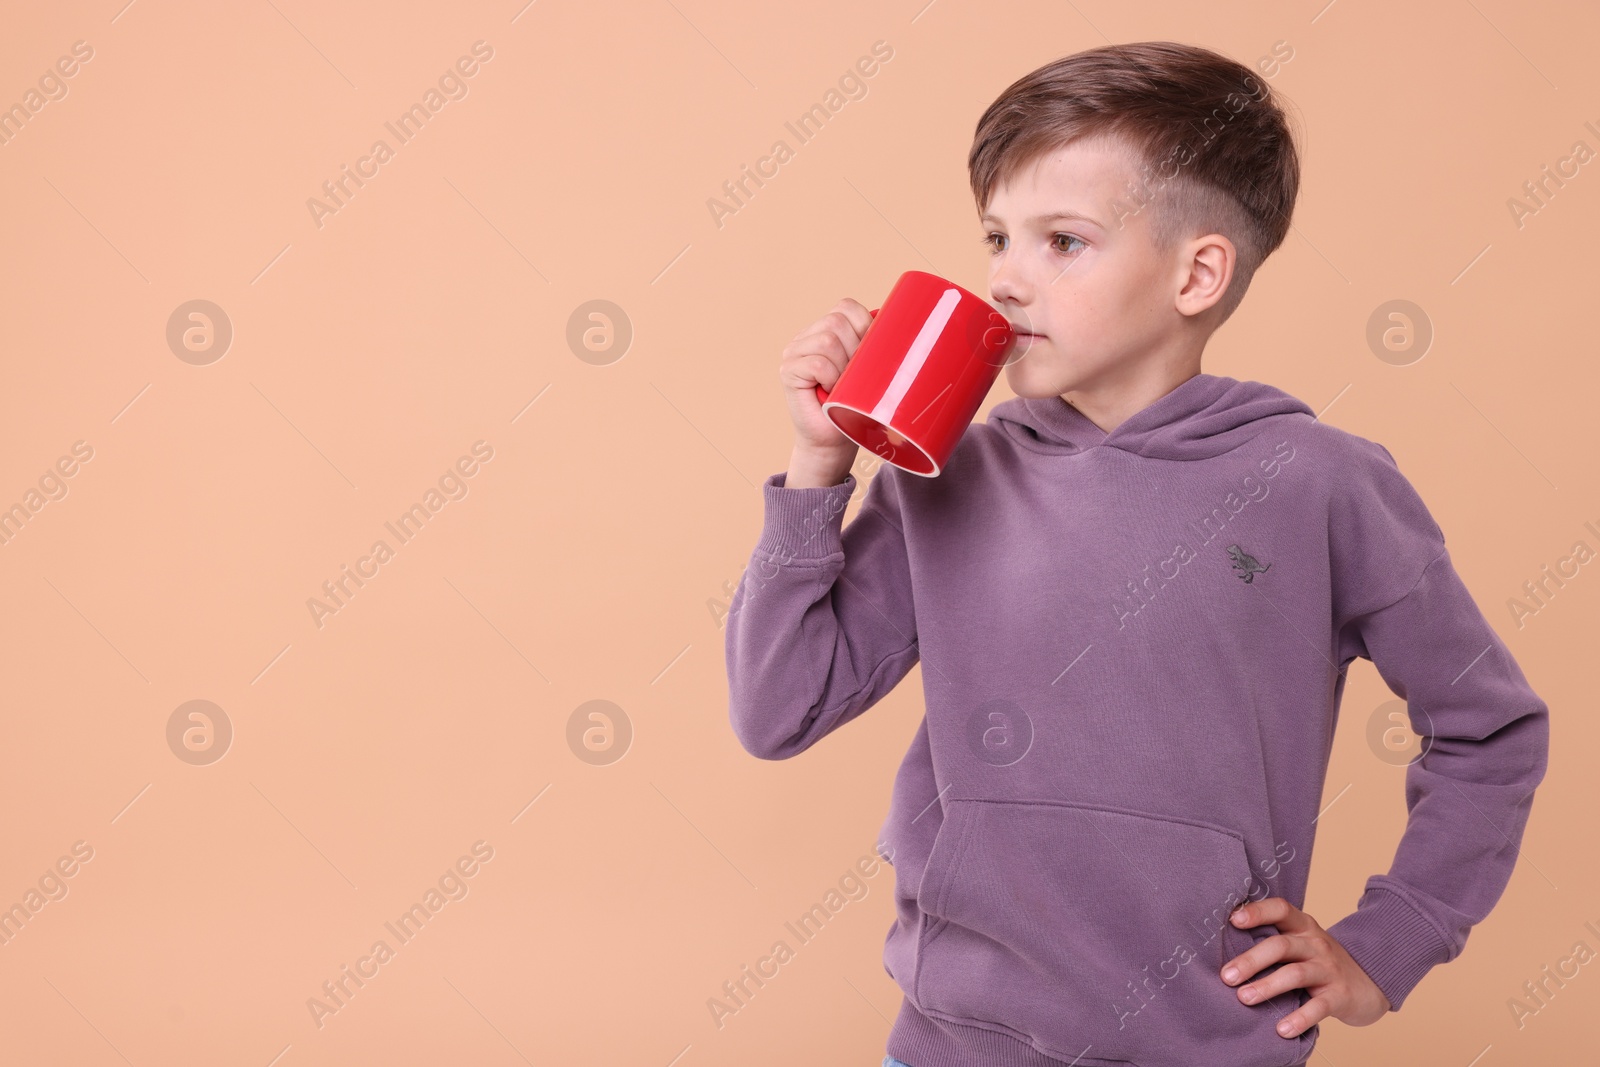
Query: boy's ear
[[1209, 261]]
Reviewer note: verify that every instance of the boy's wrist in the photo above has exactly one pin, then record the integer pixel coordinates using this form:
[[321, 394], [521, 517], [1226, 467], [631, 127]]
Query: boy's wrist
[[810, 468]]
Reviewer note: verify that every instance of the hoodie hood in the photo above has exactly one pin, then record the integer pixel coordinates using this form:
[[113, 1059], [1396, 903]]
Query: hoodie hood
[[1204, 416]]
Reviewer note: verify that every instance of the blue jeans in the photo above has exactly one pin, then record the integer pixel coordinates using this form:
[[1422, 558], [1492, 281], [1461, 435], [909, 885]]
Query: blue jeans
[[890, 1061]]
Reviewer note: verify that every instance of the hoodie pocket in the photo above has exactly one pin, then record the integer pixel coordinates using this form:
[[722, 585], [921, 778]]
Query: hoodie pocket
[[1094, 934]]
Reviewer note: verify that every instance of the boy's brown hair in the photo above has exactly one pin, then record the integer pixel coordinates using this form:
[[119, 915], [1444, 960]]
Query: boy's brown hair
[[1207, 136]]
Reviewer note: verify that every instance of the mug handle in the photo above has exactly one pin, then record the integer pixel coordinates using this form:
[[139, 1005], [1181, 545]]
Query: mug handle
[[822, 394]]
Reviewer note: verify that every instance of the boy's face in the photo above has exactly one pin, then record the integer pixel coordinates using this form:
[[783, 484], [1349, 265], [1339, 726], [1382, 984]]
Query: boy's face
[[1103, 297]]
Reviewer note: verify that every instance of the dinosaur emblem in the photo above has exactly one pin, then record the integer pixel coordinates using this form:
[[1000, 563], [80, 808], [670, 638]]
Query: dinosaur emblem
[[1246, 564]]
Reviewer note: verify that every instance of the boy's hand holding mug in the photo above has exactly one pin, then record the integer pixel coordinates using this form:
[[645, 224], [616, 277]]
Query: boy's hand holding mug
[[818, 356], [927, 359]]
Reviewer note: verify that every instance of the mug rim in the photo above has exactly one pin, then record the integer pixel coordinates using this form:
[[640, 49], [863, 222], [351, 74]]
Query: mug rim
[[937, 467]]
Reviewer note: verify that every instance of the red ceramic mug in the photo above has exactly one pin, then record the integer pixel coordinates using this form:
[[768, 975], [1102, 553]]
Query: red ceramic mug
[[920, 372]]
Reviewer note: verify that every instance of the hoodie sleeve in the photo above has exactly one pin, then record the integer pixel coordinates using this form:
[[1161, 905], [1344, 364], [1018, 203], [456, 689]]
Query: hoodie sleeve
[[822, 623], [1399, 602]]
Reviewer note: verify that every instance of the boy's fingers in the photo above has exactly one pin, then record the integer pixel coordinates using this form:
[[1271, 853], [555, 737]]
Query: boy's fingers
[[1298, 975], [1241, 967], [825, 370], [807, 351], [1268, 951], [842, 323], [860, 318], [822, 325], [821, 340], [1258, 912], [1305, 1017], [1276, 910], [806, 372]]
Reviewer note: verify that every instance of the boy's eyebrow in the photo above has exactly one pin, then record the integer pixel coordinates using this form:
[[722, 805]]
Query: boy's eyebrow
[[1051, 217]]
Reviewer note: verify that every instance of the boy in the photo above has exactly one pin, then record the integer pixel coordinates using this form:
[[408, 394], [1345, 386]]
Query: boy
[[1134, 592]]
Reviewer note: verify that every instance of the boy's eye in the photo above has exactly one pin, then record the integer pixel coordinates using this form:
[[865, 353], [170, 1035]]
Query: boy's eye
[[992, 241]]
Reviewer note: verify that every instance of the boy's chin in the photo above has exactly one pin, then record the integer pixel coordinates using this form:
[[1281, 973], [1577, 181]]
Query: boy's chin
[[1035, 381]]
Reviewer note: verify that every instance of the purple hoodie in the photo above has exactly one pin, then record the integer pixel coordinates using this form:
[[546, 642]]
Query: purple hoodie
[[1133, 649]]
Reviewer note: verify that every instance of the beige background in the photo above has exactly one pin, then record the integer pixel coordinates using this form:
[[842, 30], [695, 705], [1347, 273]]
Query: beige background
[[591, 556]]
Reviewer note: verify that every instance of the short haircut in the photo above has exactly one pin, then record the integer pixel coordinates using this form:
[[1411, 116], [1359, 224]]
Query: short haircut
[[1207, 135]]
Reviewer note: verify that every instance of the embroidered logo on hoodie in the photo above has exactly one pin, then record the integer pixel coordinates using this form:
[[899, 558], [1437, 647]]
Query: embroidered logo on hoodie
[[1246, 564], [1204, 418]]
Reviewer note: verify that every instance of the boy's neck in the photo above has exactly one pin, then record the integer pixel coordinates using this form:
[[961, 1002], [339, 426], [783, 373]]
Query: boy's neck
[[1111, 403]]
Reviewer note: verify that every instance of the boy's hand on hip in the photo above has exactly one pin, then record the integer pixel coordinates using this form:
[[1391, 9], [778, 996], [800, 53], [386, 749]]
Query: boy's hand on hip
[[1318, 963]]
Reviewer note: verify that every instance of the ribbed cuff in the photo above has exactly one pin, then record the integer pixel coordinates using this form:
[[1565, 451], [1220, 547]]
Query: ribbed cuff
[[1392, 941], [803, 524]]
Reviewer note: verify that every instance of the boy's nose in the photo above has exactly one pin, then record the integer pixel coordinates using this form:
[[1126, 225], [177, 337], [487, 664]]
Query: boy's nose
[[1007, 286]]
